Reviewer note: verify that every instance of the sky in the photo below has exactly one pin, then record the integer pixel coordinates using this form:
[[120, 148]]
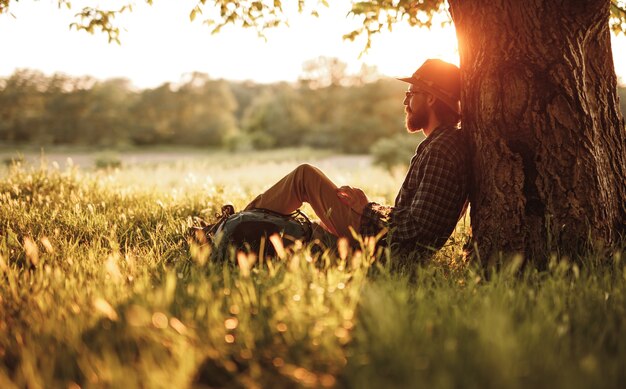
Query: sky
[[159, 44]]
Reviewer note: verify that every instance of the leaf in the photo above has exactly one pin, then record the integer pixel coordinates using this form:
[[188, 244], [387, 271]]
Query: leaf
[[194, 13]]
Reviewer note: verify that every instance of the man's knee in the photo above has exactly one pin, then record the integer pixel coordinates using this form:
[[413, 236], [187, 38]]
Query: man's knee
[[307, 170], [308, 179]]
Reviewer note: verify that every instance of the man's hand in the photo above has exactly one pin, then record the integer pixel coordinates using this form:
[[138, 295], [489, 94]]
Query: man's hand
[[353, 197]]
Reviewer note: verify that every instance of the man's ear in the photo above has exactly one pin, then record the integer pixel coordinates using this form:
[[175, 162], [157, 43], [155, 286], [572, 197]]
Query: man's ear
[[430, 99]]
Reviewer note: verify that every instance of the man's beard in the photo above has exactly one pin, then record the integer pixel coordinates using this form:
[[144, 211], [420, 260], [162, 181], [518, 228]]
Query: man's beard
[[416, 120]]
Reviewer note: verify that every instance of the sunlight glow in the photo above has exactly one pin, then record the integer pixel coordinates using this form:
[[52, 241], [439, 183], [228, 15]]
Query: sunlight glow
[[160, 44]]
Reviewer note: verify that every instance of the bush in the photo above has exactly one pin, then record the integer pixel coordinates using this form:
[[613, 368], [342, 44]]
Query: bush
[[395, 151], [107, 160]]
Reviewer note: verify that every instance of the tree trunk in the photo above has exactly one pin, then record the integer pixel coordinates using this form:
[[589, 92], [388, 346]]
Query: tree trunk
[[549, 142]]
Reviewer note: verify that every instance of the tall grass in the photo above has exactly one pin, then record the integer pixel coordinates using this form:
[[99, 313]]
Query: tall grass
[[99, 288]]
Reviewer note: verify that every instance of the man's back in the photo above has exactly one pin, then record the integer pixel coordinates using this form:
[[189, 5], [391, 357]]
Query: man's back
[[435, 190]]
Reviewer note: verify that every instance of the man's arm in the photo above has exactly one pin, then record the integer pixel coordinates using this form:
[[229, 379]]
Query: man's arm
[[434, 208], [355, 198], [374, 217]]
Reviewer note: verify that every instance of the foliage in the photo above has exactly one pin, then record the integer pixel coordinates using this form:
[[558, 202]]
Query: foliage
[[324, 72], [618, 16], [205, 111], [394, 151], [350, 113], [99, 288], [43, 110], [368, 113], [276, 118], [264, 14], [379, 14], [93, 18], [107, 160]]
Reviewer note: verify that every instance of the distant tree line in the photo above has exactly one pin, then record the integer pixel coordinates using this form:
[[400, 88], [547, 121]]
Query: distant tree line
[[327, 108]]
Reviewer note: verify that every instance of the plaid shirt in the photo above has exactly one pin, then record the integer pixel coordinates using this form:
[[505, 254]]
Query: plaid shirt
[[432, 198]]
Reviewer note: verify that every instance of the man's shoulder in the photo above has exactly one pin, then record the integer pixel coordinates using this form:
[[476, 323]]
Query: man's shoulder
[[450, 141]]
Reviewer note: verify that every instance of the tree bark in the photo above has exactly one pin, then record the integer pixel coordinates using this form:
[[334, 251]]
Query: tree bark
[[549, 142]]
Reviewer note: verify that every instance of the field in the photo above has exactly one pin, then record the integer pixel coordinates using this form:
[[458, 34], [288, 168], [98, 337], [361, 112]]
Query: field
[[99, 288]]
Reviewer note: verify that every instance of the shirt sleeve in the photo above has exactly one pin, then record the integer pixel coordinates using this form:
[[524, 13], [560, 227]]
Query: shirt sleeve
[[433, 211], [375, 217]]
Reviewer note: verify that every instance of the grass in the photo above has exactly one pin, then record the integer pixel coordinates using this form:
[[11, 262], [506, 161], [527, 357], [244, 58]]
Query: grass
[[98, 288]]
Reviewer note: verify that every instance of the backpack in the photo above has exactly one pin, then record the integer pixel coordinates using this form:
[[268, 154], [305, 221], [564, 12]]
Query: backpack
[[250, 230]]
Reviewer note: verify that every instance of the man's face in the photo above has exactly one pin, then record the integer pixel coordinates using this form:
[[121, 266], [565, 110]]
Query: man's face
[[416, 109]]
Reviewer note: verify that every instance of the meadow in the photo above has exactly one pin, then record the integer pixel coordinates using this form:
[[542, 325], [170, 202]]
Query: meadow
[[100, 288]]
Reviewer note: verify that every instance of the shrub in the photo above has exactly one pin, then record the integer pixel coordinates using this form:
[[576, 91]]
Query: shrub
[[394, 151], [107, 160]]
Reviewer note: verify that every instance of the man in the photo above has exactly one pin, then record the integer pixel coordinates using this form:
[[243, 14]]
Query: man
[[434, 194]]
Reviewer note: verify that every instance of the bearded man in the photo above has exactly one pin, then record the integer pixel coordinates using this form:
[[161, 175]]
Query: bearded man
[[434, 193]]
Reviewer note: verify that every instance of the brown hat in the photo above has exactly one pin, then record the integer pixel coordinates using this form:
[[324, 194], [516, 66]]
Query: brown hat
[[439, 78]]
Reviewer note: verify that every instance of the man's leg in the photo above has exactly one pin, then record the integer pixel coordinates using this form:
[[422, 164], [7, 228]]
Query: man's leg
[[308, 184]]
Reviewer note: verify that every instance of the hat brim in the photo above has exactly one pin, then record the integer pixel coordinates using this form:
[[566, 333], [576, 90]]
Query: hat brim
[[407, 79], [447, 100]]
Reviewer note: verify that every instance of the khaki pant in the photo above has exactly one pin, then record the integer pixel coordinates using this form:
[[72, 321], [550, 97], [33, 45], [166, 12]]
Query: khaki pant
[[308, 184]]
